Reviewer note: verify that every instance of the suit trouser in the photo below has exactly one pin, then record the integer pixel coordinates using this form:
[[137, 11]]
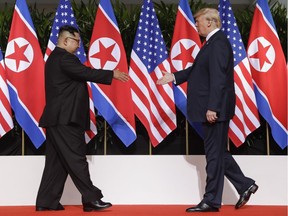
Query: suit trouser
[[220, 163], [65, 154]]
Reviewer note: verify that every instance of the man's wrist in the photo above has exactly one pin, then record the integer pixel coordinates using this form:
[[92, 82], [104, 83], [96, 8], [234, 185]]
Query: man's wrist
[[174, 80]]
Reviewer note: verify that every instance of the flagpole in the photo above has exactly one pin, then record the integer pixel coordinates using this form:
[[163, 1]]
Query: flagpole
[[105, 137], [150, 148], [228, 144], [268, 140], [23, 142], [187, 136]]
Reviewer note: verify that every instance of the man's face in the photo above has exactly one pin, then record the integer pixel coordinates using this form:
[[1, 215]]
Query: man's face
[[72, 43], [202, 25]]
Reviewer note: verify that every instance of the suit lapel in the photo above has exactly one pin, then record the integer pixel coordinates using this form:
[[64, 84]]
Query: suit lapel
[[206, 45]]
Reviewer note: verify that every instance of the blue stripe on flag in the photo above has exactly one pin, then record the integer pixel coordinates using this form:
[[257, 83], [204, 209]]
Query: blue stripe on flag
[[121, 129], [107, 8], [181, 102], [184, 5], [23, 8], [278, 133], [25, 121], [266, 12]]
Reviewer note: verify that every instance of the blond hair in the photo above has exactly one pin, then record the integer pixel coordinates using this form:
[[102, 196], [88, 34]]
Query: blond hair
[[210, 14]]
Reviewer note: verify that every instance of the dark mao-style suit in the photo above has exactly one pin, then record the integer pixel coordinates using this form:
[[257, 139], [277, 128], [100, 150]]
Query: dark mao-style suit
[[66, 117], [211, 87]]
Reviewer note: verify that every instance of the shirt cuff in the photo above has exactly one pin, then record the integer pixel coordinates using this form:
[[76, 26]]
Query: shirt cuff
[[174, 80]]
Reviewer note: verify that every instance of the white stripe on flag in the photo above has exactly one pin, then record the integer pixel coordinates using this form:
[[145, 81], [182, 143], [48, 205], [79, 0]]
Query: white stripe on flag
[[146, 94], [143, 108], [235, 129]]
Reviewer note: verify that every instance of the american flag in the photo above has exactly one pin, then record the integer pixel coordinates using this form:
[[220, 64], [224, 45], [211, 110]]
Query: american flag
[[65, 16], [6, 122], [246, 118], [184, 49], [154, 105], [269, 72]]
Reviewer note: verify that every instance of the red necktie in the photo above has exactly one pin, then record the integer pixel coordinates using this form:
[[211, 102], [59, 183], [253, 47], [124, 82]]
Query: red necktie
[[204, 42]]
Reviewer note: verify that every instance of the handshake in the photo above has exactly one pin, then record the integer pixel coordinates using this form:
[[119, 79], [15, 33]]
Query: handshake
[[124, 77]]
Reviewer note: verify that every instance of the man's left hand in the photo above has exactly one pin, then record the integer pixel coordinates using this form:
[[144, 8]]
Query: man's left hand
[[119, 75], [211, 116]]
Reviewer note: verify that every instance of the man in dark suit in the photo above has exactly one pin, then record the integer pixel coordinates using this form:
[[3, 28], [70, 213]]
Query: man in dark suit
[[211, 100], [66, 117]]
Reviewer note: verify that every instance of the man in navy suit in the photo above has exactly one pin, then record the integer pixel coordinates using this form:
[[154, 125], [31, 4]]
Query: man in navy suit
[[66, 117], [211, 101]]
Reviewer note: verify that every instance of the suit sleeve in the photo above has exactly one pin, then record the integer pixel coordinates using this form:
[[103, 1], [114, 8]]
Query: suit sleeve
[[218, 63], [72, 66], [182, 76]]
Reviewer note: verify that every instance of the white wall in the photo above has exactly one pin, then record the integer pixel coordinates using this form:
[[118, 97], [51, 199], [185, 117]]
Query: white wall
[[145, 179]]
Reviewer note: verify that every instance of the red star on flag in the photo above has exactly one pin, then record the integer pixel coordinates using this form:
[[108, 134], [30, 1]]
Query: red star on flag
[[19, 54], [185, 55], [104, 54], [261, 54]]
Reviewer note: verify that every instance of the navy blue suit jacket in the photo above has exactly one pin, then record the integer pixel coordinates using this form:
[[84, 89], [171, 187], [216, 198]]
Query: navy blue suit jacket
[[210, 80]]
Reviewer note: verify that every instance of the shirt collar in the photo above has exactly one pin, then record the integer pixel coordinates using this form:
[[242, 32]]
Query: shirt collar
[[211, 33]]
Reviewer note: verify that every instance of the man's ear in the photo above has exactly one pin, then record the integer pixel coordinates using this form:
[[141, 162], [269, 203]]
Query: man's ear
[[65, 42]]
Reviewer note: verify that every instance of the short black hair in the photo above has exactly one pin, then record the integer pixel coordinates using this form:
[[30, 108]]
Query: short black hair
[[71, 29]]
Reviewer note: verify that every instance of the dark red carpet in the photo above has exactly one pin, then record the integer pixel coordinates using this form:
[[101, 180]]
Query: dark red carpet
[[146, 210]]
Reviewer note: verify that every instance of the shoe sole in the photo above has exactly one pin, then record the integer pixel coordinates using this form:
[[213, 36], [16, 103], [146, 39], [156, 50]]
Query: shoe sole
[[88, 209], [47, 209], [212, 210]]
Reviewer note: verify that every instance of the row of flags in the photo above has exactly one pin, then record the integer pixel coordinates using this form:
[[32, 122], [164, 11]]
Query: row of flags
[[260, 73]]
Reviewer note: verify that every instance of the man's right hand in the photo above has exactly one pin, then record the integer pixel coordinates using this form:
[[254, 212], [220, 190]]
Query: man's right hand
[[168, 77]]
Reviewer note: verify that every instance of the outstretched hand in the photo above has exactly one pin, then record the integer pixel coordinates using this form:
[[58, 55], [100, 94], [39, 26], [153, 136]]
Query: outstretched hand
[[119, 75], [167, 77]]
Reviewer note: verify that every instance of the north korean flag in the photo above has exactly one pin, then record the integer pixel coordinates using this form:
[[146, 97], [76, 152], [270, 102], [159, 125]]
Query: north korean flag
[[107, 51], [25, 73], [269, 72], [184, 48]]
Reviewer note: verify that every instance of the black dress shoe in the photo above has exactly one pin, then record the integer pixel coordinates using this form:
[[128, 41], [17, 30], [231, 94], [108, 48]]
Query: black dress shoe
[[244, 197], [59, 208], [95, 206], [202, 207]]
